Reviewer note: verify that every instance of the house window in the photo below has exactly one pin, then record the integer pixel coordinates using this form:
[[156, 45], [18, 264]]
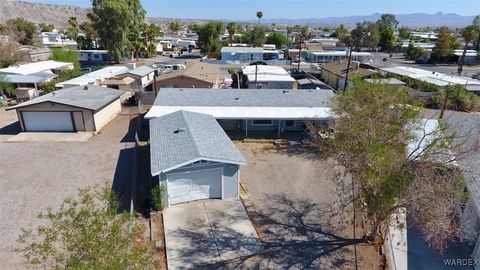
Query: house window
[[262, 122], [289, 123]]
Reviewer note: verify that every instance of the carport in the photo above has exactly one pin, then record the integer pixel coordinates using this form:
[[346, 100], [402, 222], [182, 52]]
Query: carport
[[193, 158]]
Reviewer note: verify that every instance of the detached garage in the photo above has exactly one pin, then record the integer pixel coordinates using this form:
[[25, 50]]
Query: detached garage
[[193, 158], [81, 108]]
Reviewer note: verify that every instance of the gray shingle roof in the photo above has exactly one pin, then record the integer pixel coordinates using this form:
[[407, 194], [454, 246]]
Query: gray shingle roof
[[243, 97], [466, 129], [93, 98], [183, 137], [141, 71]]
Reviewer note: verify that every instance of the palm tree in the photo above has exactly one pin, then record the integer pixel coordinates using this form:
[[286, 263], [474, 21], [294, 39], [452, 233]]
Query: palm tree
[[469, 34], [259, 16], [231, 28]]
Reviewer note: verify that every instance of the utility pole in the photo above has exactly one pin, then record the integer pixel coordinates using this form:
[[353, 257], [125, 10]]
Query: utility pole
[[299, 51], [348, 68]]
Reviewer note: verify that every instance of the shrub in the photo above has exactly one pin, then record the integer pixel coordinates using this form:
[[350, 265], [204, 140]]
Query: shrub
[[47, 87], [459, 99], [158, 194]]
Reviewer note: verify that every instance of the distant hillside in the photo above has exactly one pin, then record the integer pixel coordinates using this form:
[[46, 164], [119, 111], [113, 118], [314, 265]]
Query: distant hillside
[[58, 15], [411, 20], [41, 13]]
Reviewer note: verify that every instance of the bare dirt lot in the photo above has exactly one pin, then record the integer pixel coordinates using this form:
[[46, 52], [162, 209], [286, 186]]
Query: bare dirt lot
[[37, 175], [296, 211]]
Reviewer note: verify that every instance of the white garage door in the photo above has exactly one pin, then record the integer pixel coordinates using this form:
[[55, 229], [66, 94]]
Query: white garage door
[[47, 121], [194, 185]]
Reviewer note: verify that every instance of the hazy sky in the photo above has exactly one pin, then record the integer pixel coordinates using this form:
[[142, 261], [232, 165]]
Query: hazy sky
[[291, 9]]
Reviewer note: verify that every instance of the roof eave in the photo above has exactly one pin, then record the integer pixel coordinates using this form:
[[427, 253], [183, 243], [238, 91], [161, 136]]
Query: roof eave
[[236, 162]]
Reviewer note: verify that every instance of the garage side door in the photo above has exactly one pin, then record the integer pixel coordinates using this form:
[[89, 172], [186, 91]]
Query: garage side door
[[47, 121], [194, 185]]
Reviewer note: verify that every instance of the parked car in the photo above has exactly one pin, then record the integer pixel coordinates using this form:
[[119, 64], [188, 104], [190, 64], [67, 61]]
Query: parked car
[[476, 76]]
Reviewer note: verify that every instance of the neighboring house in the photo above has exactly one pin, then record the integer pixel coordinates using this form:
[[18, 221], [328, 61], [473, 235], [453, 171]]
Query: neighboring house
[[269, 77], [241, 54], [310, 83], [193, 158], [83, 108], [120, 82], [49, 66], [272, 110], [334, 73], [143, 76], [471, 56], [94, 56], [27, 86], [389, 81], [196, 74], [436, 78], [28, 54], [56, 40], [94, 77], [332, 56]]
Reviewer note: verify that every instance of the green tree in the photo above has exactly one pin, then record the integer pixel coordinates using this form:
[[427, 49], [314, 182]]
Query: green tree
[[6, 88], [174, 26], [43, 27], [404, 33], [259, 16], [387, 21], [414, 52], [442, 49], [150, 34], [88, 40], [340, 31], [231, 28], [364, 35], [455, 44], [469, 34], [258, 36], [476, 22], [85, 233], [118, 24], [458, 99], [72, 32], [277, 38], [66, 55], [387, 40], [209, 36], [374, 134], [22, 30]]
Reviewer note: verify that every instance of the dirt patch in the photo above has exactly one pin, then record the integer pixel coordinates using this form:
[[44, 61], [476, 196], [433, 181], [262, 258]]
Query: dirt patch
[[292, 197], [152, 234]]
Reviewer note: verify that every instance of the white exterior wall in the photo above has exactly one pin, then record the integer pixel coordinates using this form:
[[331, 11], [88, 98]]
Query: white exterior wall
[[106, 114]]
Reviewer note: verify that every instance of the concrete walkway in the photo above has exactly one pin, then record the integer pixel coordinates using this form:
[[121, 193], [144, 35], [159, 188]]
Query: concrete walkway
[[208, 232], [51, 137]]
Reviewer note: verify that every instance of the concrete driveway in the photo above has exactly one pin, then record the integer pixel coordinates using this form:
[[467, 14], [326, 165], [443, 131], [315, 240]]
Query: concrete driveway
[[208, 232]]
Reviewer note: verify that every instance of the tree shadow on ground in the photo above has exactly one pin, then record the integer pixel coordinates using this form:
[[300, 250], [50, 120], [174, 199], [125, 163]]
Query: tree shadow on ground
[[295, 234]]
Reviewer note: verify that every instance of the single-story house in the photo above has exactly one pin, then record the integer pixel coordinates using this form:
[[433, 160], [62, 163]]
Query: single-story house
[[94, 56], [81, 108], [94, 77], [30, 54], [436, 78], [275, 110], [49, 66], [193, 158], [311, 83], [242, 54], [27, 86], [334, 73], [327, 56], [269, 77], [143, 75], [389, 81], [196, 74]]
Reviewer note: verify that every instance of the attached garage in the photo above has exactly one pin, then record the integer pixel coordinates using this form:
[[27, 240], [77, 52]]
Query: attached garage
[[193, 158], [82, 108], [194, 185]]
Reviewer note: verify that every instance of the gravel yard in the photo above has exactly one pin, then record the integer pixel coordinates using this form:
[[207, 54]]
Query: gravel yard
[[37, 175], [294, 203]]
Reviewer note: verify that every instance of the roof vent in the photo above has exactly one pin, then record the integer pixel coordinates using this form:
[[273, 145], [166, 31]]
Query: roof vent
[[237, 98], [286, 91], [85, 87], [179, 130]]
